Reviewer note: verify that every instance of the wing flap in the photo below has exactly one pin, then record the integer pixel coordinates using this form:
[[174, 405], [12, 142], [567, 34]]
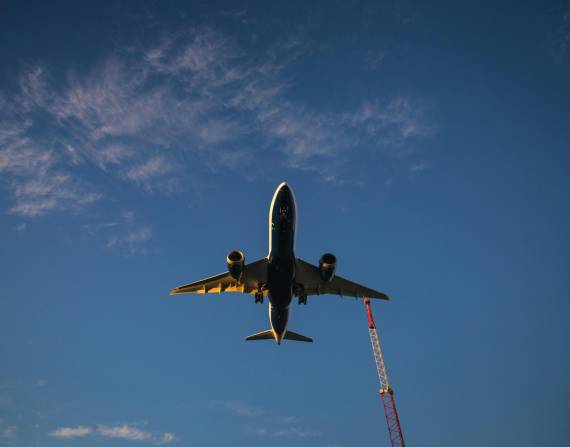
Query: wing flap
[[310, 283], [254, 277]]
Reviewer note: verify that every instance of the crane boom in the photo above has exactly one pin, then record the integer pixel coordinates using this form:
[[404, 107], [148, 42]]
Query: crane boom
[[386, 392]]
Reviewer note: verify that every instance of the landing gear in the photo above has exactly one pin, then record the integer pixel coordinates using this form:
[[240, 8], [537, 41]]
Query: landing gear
[[303, 299], [259, 298]]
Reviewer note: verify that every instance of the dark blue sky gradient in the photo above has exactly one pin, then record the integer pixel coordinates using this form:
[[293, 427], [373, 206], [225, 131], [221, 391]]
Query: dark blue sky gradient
[[428, 149]]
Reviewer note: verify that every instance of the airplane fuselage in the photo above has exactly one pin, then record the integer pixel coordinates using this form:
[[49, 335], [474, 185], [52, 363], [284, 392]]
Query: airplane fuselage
[[281, 265], [280, 275]]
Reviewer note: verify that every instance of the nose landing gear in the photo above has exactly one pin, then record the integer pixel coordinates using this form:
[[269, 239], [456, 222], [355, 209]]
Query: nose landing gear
[[303, 299], [259, 298]]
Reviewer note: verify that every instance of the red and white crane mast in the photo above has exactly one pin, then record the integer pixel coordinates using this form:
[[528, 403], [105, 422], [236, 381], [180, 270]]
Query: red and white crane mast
[[386, 392]]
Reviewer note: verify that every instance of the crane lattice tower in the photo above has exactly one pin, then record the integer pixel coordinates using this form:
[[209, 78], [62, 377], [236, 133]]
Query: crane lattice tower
[[386, 391]]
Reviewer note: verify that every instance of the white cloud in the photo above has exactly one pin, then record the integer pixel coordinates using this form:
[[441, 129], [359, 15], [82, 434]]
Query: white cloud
[[560, 34], [114, 154], [290, 432], [287, 428], [124, 432], [33, 88], [138, 114], [375, 58], [37, 196], [152, 167], [133, 243], [167, 438], [8, 434], [124, 235], [419, 167], [128, 216], [392, 123], [289, 420], [296, 432], [37, 185], [71, 432]]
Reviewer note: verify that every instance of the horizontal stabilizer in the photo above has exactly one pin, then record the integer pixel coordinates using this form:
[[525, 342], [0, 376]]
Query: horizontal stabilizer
[[289, 335], [265, 335]]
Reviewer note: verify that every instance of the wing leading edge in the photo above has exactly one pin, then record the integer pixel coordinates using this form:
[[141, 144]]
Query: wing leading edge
[[309, 283], [252, 282]]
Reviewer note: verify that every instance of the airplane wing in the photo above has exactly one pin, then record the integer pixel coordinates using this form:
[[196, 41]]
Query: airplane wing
[[309, 282], [252, 281]]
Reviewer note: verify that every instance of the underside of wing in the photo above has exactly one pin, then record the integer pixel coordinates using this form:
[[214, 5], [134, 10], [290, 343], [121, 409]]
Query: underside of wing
[[309, 283], [252, 282]]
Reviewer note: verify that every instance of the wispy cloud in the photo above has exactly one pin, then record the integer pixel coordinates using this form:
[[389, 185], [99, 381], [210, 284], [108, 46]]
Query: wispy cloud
[[391, 123], [167, 438], [8, 434], [419, 167], [37, 183], [192, 100], [37, 196], [289, 419], [290, 432], [560, 33], [71, 432], [124, 431], [285, 426], [132, 433], [238, 408], [124, 234], [375, 58], [153, 167], [129, 237]]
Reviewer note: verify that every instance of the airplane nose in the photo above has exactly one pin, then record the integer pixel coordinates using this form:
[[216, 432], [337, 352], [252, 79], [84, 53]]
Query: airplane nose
[[284, 196], [285, 190]]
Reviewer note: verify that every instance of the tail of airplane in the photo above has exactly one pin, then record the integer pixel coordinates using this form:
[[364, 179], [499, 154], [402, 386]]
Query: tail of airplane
[[270, 335]]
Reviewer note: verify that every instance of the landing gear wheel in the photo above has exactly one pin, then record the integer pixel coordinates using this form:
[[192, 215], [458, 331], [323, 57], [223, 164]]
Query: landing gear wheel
[[303, 299], [259, 298]]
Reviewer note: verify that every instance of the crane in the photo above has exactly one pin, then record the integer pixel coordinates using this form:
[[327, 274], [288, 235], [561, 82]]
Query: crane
[[386, 391]]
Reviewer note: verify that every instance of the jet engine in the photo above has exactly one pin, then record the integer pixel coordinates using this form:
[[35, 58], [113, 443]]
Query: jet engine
[[327, 266], [235, 262]]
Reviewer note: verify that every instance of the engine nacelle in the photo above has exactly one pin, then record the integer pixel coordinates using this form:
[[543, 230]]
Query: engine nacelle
[[327, 266], [235, 262]]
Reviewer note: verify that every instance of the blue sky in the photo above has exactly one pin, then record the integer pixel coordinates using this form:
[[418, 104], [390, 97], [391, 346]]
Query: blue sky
[[427, 147]]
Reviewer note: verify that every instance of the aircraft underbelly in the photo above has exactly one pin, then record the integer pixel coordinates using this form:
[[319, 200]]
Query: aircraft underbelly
[[280, 275], [281, 266]]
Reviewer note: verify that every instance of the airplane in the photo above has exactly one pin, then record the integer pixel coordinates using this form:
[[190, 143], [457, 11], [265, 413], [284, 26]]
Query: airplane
[[280, 275]]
